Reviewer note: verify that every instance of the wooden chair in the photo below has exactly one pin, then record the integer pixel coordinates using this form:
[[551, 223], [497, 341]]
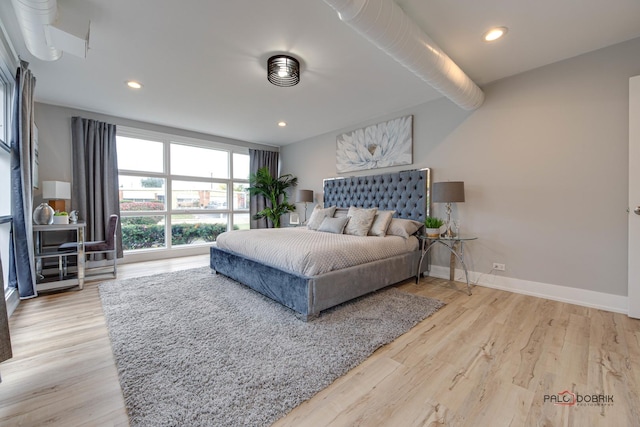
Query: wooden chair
[[107, 246]]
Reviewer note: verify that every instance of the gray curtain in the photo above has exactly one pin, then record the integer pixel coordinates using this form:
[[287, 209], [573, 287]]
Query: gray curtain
[[259, 159], [21, 261], [95, 178]]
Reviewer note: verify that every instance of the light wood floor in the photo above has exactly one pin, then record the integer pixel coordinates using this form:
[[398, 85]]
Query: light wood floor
[[484, 360]]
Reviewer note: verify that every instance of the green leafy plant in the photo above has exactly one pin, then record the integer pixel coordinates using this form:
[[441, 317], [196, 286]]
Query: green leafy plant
[[275, 192], [433, 222], [63, 213], [144, 236]]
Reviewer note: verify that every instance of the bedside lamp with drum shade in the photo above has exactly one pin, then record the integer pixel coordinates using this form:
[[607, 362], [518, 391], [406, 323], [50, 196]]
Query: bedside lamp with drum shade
[[448, 192], [58, 193], [305, 196]]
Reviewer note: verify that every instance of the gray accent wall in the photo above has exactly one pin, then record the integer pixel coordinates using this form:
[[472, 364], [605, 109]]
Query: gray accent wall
[[545, 166]]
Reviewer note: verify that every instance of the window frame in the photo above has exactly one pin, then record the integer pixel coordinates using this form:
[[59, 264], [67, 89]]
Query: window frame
[[168, 139], [8, 63]]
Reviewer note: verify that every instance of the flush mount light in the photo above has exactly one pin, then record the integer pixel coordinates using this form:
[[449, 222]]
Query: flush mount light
[[283, 70], [494, 34], [282, 124], [133, 84]]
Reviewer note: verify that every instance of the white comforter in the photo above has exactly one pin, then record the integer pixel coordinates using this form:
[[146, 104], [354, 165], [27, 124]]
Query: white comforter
[[309, 252]]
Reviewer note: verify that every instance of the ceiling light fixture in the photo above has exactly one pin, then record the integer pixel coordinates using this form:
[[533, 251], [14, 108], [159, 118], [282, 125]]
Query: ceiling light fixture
[[494, 34], [282, 124], [283, 70], [133, 84]]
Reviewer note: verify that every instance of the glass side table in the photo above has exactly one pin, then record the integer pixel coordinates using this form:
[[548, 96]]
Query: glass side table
[[450, 243]]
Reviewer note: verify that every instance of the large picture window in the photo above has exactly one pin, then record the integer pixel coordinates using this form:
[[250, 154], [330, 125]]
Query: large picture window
[[6, 92], [176, 192]]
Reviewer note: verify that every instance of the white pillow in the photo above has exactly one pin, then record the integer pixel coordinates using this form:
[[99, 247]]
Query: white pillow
[[333, 225], [381, 223], [318, 215], [403, 227], [360, 221]]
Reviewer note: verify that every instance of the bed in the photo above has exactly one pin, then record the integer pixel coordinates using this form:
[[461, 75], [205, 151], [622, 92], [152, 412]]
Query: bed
[[303, 283]]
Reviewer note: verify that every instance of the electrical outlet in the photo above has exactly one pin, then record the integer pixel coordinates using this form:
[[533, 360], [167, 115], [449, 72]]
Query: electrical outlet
[[498, 266]]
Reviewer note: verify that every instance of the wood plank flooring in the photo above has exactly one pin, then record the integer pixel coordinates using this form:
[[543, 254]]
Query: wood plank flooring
[[484, 360]]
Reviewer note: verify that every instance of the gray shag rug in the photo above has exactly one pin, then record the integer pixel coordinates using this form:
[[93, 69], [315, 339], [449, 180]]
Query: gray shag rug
[[197, 349]]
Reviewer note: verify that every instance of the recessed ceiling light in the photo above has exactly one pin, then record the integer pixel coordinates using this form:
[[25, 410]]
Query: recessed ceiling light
[[282, 124], [494, 34], [133, 84]]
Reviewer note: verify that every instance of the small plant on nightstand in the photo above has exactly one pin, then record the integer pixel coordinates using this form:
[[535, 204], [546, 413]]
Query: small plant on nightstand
[[432, 226], [61, 218]]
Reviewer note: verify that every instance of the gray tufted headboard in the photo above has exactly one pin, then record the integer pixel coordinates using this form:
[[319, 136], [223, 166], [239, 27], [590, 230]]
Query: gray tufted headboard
[[406, 192]]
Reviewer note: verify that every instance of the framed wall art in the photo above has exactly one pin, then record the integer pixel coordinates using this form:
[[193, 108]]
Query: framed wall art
[[377, 146]]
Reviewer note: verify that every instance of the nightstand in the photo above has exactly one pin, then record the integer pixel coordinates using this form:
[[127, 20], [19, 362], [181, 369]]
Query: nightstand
[[450, 243]]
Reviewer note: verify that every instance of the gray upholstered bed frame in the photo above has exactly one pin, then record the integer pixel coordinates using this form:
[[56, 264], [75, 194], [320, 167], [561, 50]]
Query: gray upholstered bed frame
[[406, 192]]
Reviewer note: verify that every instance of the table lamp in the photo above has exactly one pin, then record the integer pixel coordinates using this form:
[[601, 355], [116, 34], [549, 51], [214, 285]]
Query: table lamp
[[305, 196], [448, 192], [57, 192]]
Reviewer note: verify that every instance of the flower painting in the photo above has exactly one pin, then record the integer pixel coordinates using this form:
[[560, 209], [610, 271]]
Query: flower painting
[[377, 146]]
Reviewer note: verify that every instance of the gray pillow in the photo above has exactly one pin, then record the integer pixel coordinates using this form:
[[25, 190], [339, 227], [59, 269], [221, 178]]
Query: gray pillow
[[360, 221], [318, 215], [381, 223], [403, 227], [333, 225]]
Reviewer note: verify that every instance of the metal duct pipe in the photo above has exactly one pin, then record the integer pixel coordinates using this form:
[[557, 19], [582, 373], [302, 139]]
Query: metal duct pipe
[[34, 17], [386, 25]]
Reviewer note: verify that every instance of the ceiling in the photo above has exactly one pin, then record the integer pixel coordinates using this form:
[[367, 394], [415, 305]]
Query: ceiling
[[203, 62]]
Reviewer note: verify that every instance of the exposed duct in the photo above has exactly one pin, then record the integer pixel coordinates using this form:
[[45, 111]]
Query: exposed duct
[[386, 25], [45, 35]]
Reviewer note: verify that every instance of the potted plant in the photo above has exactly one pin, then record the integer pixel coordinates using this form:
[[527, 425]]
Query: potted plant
[[274, 192], [432, 226], [61, 218]]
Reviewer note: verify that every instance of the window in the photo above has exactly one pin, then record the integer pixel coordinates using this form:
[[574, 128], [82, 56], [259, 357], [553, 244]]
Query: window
[[7, 84], [176, 192], [4, 108]]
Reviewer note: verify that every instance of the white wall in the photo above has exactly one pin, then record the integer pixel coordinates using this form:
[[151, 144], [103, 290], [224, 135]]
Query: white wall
[[544, 162]]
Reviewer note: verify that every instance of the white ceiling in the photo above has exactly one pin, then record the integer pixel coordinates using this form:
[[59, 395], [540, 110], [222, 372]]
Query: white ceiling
[[203, 62]]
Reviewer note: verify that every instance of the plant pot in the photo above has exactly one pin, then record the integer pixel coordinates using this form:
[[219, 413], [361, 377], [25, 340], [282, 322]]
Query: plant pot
[[433, 233], [61, 219]]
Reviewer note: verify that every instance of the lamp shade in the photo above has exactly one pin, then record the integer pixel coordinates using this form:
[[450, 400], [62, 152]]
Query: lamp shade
[[448, 192], [283, 70], [56, 190], [305, 196]]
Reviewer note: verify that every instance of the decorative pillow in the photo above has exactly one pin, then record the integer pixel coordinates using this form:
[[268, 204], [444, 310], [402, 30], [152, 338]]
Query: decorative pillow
[[318, 215], [333, 225], [381, 223], [340, 212], [403, 227], [360, 221]]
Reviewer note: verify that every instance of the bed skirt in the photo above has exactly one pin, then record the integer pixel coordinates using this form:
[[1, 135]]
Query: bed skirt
[[308, 296]]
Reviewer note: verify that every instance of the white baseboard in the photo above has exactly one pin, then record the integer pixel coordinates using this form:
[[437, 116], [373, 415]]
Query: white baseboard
[[12, 300], [583, 297]]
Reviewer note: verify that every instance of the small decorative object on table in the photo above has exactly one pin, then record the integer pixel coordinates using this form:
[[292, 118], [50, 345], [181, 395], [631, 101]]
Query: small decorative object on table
[[61, 218], [43, 214], [294, 219], [432, 226], [73, 217]]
